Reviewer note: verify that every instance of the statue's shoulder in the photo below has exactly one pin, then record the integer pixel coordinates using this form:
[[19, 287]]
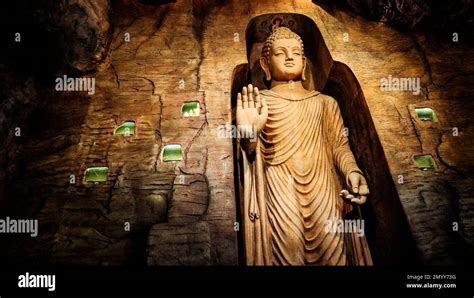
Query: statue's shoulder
[[326, 97], [329, 100]]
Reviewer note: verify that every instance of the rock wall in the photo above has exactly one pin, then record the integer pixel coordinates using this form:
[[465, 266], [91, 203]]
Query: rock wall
[[453, 15]]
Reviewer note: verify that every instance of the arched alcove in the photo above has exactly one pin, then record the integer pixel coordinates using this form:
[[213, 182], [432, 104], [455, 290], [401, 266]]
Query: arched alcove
[[387, 231]]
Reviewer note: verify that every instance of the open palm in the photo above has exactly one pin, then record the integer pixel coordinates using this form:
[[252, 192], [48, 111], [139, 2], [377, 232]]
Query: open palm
[[252, 112]]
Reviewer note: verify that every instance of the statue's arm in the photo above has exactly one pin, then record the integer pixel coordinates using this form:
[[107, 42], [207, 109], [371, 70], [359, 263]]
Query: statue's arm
[[342, 153], [343, 156]]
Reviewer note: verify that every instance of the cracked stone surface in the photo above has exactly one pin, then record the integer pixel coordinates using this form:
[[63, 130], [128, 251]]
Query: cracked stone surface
[[172, 245], [416, 13], [86, 29]]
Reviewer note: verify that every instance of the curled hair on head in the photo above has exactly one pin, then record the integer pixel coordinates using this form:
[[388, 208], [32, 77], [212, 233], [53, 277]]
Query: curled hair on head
[[279, 33]]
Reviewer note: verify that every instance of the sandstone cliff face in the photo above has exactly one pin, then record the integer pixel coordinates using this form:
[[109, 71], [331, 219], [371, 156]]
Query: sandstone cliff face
[[150, 58], [413, 14], [86, 27]]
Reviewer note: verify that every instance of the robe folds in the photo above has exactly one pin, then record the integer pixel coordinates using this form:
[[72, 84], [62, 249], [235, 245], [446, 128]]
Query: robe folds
[[292, 183]]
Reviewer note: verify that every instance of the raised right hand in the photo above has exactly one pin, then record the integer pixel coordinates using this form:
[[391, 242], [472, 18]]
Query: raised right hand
[[252, 112]]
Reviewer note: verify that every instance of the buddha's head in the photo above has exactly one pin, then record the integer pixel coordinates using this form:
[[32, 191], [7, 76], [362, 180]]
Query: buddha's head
[[282, 56]]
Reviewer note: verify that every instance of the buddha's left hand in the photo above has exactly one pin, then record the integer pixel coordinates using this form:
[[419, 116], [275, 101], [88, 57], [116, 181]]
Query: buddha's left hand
[[358, 189]]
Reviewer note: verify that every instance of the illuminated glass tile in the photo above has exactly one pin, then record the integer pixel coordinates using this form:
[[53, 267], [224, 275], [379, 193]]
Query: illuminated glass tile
[[425, 162], [172, 153], [96, 174], [190, 109], [126, 129], [426, 114]]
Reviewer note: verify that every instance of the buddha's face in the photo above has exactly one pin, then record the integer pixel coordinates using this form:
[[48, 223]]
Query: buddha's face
[[286, 61]]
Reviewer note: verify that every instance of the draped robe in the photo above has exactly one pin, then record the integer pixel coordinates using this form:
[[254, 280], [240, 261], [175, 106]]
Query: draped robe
[[292, 185]]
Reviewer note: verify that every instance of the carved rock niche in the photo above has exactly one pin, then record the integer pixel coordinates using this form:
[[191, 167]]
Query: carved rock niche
[[386, 228]]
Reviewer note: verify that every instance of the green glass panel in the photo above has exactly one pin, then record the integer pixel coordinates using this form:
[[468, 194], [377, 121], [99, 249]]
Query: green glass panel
[[126, 129], [172, 153], [190, 109], [426, 114], [96, 174], [425, 162]]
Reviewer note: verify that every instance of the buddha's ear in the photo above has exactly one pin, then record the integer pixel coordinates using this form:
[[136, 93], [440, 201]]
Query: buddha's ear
[[303, 76], [266, 69]]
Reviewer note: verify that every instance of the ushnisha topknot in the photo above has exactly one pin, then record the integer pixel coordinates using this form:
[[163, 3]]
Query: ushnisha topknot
[[279, 33]]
